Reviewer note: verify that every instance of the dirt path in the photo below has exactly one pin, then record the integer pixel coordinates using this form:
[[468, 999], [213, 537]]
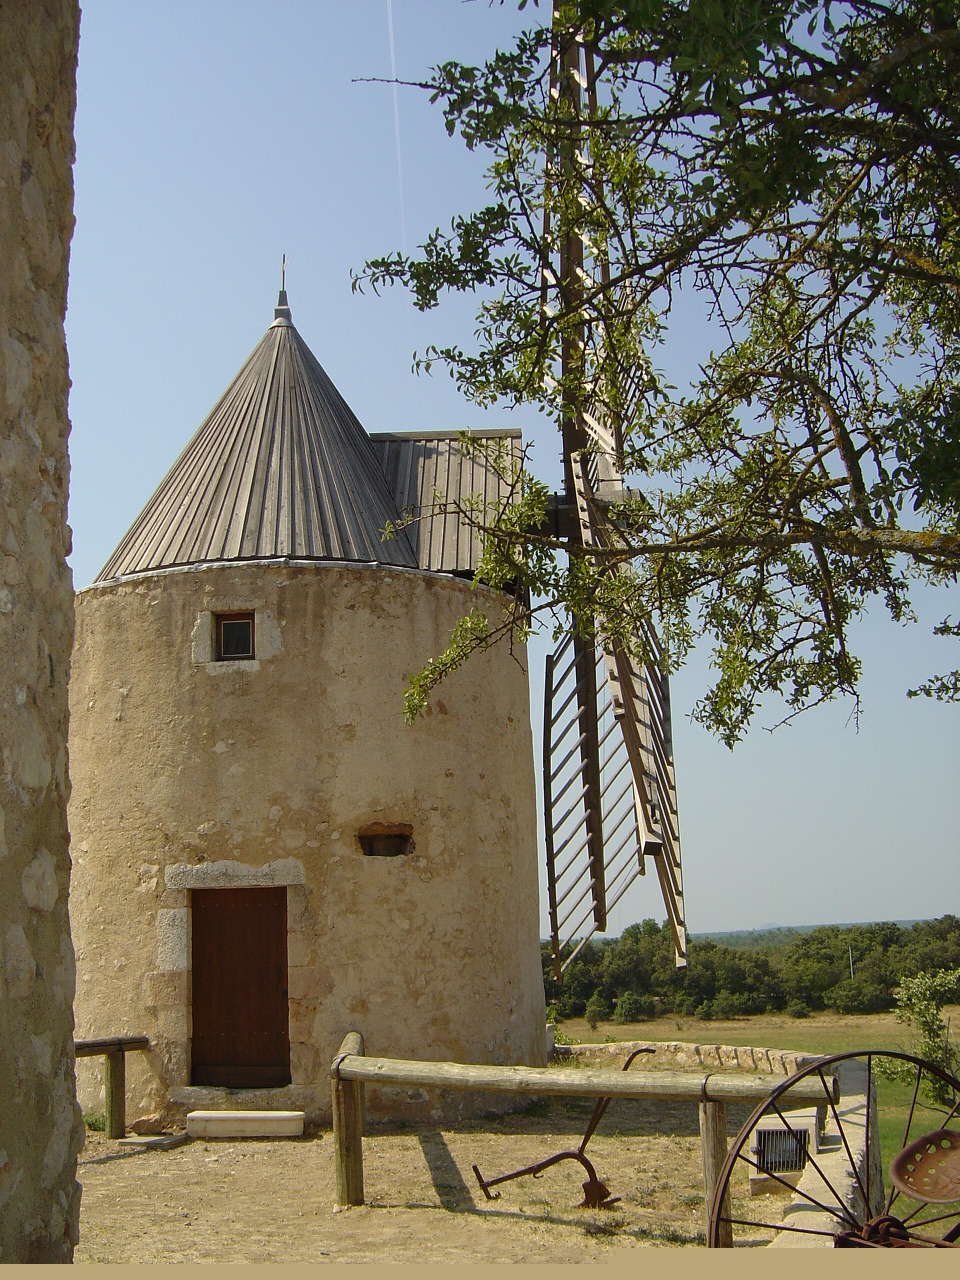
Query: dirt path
[[272, 1201]]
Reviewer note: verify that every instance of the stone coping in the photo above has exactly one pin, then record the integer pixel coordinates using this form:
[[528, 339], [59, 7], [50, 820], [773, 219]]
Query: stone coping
[[685, 1055]]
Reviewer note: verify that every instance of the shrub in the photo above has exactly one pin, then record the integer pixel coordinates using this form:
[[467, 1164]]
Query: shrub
[[726, 1005], [704, 1012], [596, 1010], [631, 1007], [919, 1001], [797, 1009], [851, 996]]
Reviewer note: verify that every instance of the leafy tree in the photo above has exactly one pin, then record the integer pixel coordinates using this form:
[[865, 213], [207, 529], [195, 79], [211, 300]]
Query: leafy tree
[[814, 964], [597, 1010], [919, 1002], [728, 1005], [581, 979], [791, 165], [631, 1007], [811, 970], [851, 996], [932, 945]]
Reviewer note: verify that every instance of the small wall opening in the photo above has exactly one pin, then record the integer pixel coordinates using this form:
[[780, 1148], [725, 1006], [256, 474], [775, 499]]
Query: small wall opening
[[386, 839]]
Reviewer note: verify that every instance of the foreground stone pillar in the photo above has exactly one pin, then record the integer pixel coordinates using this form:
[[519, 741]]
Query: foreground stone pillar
[[41, 1130]]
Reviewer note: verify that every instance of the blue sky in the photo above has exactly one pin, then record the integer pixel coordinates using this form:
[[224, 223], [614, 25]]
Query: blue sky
[[212, 137]]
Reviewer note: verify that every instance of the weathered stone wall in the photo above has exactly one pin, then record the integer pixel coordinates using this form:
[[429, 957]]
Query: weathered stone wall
[[40, 1127], [683, 1056], [189, 773]]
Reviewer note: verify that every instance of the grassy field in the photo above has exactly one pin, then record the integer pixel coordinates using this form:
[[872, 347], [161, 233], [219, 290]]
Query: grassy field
[[826, 1032]]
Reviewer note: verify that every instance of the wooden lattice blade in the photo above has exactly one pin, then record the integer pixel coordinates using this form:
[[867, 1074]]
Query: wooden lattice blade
[[636, 821], [633, 737]]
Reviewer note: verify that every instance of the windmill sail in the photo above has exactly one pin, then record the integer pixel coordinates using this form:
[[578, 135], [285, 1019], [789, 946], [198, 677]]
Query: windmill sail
[[609, 785], [594, 848]]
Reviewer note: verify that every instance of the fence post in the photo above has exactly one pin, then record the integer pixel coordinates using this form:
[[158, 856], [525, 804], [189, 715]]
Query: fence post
[[348, 1125], [115, 1086], [713, 1143]]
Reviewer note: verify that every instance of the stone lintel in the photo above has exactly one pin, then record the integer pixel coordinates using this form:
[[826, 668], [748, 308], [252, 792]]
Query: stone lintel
[[234, 875]]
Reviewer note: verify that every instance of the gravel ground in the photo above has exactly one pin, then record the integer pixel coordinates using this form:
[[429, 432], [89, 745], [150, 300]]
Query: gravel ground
[[272, 1201]]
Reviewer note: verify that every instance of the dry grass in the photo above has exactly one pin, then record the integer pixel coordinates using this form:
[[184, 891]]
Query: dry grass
[[826, 1032]]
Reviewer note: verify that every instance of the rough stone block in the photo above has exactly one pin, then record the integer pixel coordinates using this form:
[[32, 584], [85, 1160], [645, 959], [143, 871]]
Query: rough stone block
[[302, 1014], [173, 940], [305, 982], [168, 989], [233, 875], [174, 1023], [299, 951], [306, 1065]]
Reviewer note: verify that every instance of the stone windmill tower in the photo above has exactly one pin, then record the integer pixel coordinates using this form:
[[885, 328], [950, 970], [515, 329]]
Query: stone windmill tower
[[265, 854]]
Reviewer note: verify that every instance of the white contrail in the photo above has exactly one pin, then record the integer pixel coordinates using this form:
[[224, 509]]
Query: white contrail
[[396, 125]]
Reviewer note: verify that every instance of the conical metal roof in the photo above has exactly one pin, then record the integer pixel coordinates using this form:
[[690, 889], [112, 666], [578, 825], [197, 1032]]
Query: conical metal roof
[[281, 468]]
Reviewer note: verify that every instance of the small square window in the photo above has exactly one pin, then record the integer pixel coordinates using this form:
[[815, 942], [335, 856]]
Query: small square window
[[235, 637]]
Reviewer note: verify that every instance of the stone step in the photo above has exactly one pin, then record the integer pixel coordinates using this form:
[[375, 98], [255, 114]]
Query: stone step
[[245, 1124]]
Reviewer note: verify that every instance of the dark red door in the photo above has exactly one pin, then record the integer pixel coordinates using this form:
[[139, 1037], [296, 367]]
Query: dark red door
[[241, 1034]]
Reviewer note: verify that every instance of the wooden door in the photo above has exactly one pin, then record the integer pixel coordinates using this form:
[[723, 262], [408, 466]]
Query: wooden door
[[241, 1034]]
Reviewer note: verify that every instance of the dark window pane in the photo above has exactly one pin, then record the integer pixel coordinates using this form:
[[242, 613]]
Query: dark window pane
[[236, 639]]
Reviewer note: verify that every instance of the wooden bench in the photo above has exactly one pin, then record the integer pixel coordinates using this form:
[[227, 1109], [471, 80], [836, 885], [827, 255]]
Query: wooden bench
[[114, 1049]]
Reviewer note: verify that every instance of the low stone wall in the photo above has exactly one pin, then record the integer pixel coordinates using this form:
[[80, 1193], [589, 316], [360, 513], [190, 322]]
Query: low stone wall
[[680, 1055]]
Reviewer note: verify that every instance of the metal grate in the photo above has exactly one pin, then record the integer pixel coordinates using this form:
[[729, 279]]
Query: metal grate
[[782, 1151]]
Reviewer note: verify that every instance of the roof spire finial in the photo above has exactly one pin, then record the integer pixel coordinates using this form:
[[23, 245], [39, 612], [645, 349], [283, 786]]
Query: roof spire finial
[[282, 310]]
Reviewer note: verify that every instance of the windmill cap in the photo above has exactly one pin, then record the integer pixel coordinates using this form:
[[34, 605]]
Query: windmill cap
[[280, 468]]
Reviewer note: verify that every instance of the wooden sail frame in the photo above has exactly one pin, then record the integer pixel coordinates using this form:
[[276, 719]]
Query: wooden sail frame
[[609, 783]]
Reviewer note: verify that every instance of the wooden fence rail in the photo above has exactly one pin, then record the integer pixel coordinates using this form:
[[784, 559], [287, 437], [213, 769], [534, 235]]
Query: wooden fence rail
[[351, 1071], [114, 1049]]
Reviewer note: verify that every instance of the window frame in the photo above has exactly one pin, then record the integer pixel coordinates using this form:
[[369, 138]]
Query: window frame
[[244, 615]]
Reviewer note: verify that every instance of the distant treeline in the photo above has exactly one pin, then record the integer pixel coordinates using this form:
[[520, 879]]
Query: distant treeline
[[634, 977]]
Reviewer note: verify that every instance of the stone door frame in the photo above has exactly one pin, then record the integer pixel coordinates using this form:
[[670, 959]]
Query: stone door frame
[[172, 980]]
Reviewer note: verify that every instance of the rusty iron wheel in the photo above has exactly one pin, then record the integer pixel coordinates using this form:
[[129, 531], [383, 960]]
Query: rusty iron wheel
[[886, 1211]]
